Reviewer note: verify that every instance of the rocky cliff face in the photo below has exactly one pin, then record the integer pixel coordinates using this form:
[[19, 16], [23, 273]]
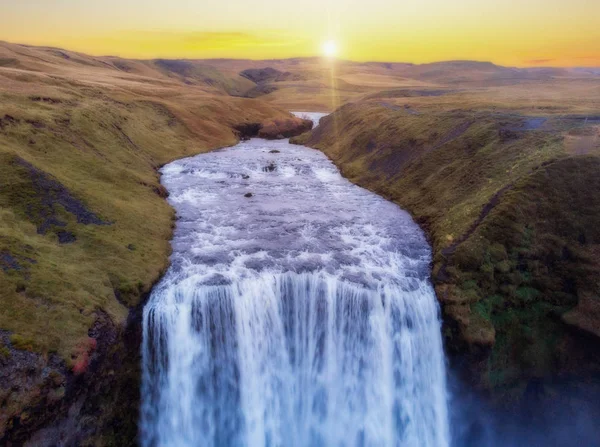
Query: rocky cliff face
[[96, 403], [274, 129]]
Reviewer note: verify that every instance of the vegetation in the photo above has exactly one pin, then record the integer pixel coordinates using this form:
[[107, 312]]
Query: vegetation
[[511, 213], [61, 164], [486, 158], [84, 224]]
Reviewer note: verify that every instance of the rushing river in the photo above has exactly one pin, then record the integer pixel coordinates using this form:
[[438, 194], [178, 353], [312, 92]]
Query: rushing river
[[297, 311]]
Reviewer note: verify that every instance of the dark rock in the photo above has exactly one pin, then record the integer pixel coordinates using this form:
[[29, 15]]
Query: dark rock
[[285, 128], [8, 262], [65, 237], [248, 194], [35, 123], [17, 263], [62, 408], [270, 167], [45, 99], [28, 378], [49, 194], [160, 191], [274, 151], [7, 120], [245, 131], [273, 130]]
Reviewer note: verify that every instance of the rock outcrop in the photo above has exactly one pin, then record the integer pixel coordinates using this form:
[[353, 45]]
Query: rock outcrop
[[47, 404], [278, 129], [274, 129]]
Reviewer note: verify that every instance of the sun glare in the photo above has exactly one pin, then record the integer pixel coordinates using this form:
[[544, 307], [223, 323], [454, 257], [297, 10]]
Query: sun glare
[[330, 48]]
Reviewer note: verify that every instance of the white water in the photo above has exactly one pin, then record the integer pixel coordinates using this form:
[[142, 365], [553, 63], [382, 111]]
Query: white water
[[302, 316]]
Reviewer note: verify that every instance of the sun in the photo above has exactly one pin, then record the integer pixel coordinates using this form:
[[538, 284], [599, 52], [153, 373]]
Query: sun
[[330, 48]]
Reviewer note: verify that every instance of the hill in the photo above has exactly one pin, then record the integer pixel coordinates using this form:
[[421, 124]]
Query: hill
[[485, 158], [507, 190], [84, 227]]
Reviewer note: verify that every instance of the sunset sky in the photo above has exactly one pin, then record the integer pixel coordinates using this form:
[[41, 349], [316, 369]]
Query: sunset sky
[[509, 32]]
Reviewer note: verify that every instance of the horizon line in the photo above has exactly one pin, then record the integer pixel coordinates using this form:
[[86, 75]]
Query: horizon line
[[158, 57]]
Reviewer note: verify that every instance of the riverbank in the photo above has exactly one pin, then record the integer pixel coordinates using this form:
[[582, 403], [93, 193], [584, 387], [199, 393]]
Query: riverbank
[[85, 231], [511, 216]]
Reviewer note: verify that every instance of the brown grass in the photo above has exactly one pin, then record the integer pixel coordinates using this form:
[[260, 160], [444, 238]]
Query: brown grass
[[96, 129]]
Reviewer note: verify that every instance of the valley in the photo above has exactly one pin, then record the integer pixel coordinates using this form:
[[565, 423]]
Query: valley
[[486, 159]]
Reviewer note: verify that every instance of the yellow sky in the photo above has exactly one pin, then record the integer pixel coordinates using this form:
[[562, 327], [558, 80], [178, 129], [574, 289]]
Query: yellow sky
[[509, 32]]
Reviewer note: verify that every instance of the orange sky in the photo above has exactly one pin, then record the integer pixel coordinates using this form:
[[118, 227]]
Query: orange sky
[[508, 32]]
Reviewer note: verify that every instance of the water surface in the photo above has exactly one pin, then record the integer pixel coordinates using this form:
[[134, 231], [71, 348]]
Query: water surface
[[297, 311]]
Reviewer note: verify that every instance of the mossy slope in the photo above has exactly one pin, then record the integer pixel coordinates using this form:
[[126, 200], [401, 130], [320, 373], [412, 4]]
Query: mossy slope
[[512, 218], [84, 224]]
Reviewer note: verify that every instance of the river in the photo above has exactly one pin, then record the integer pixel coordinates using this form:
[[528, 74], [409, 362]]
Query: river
[[297, 311]]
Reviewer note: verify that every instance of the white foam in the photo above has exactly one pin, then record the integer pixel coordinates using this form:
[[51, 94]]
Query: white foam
[[300, 316]]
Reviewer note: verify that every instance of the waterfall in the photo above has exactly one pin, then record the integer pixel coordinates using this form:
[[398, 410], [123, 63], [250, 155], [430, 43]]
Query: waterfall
[[302, 315]]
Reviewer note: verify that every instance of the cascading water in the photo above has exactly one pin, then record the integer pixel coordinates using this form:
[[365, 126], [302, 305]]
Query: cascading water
[[299, 316]]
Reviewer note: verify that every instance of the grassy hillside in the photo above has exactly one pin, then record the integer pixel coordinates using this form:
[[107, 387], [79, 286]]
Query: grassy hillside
[[316, 84], [511, 210], [84, 224], [485, 157]]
